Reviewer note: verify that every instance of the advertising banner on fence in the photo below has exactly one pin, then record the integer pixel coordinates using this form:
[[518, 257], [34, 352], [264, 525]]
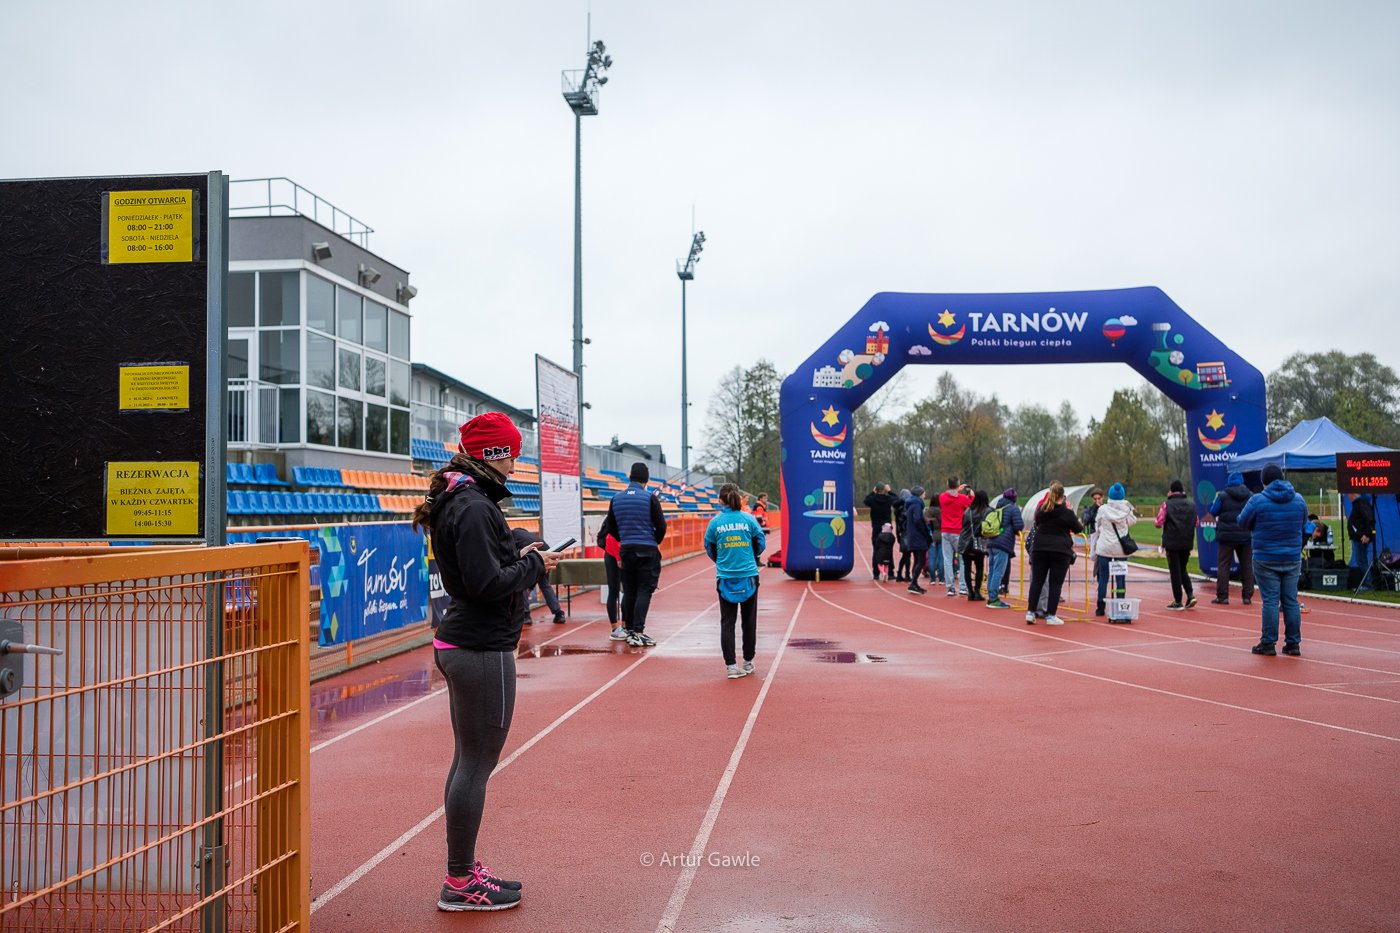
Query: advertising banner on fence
[[373, 577], [561, 495]]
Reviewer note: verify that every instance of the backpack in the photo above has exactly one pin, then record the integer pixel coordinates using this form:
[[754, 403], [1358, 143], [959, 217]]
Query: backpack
[[991, 523]]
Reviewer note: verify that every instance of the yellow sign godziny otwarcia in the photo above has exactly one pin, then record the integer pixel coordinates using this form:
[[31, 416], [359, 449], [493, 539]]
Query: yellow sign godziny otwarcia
[[153, 498], [150, 226]]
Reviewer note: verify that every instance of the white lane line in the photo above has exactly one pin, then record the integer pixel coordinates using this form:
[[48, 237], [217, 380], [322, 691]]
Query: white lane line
[[345, 883], [707, 825], [1111, 680]]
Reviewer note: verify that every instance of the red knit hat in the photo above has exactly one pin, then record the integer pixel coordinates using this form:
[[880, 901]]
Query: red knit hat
[[491, 436]]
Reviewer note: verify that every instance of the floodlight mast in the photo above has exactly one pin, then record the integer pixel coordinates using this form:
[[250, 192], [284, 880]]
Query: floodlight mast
[[686, 272], [581, 94]]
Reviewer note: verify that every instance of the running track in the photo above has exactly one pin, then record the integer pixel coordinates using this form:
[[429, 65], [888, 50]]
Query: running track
[[899, 763]]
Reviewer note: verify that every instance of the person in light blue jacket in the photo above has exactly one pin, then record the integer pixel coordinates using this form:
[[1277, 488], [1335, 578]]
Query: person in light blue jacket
[[734, 542]]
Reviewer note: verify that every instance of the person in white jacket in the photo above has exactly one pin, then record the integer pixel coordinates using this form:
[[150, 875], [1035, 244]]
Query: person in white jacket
[[1114, 518]]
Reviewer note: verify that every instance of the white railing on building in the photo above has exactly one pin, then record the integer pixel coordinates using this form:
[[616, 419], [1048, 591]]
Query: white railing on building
[[254, 416]]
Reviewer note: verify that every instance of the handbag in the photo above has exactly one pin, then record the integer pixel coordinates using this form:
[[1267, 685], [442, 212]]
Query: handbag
[[1125, 541]]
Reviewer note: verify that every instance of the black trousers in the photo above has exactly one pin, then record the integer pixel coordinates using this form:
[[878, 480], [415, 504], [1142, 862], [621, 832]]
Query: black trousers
[[974, 560], [1181, 580], [481, 696], [1047, 567], [614, 573], [918, 563], [1244, 553], [874, 567], [747, 614], [641, 571]]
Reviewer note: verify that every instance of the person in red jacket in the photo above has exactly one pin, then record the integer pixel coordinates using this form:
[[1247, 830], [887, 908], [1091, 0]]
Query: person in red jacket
[[954, 503], [612, 566]]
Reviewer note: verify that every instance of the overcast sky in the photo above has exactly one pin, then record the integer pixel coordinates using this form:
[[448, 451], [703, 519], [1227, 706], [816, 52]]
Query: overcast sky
[[1242, 156]]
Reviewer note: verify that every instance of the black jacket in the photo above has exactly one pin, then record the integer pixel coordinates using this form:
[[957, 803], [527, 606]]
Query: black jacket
[[879, 504], [1227, 521], [884, 548], [1362, 520], [481, 568], [1179, 528], [1054, 530]]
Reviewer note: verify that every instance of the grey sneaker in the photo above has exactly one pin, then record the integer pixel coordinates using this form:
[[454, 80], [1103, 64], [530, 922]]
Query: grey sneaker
[[479, 893], [619, 634], [734, 673], [748, 667]]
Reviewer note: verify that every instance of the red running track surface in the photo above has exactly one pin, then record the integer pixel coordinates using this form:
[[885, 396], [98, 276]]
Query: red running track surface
[[898, 763]]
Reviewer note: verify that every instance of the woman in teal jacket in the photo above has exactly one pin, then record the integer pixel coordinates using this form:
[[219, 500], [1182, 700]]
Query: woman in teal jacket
[[734, 542]]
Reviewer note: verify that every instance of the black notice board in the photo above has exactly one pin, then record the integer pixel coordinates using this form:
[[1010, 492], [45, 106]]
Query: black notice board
[[74, 324], [1377, 471]]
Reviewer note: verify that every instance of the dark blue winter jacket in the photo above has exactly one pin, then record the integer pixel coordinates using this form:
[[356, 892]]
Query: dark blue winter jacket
[[1274, 519], [1226, 507], [917, 536], [640, 521]]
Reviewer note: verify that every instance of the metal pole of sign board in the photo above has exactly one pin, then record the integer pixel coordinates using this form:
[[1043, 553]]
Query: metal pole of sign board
[[212, 866]]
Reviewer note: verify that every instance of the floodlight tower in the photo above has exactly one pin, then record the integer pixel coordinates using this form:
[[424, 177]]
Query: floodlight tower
[[686, 272], [581, 94]]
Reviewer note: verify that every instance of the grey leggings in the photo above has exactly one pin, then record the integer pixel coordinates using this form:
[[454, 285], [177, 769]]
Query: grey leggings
[[481, 690]]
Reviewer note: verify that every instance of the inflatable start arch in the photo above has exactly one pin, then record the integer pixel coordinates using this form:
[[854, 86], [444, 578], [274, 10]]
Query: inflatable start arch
[[1222, 395]]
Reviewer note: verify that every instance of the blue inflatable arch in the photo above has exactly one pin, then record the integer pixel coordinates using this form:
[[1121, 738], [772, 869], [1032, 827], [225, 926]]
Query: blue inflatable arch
[[1222, 395]]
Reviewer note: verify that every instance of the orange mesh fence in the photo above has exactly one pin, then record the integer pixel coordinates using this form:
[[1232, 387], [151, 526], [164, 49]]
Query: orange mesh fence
[[154, 776]]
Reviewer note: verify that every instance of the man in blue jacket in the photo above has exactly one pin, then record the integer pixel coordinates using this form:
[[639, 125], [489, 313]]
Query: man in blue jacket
[[1275, 519], [1003, 548], [641, 526], [917, 537], [1233, 540]]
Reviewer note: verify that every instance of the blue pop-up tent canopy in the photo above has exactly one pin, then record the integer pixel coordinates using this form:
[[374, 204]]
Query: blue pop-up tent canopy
[[1312, 445]]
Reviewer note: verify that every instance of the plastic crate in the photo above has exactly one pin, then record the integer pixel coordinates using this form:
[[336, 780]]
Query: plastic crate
[[1123, 609]]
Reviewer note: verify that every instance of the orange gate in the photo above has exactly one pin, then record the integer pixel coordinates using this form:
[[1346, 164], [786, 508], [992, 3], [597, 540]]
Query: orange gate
[[154, 776]]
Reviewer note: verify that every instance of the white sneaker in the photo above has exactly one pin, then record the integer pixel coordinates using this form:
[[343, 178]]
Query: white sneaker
[[748, 667], [734, 673], [618, 634], [1030, 618], [1054, 620]]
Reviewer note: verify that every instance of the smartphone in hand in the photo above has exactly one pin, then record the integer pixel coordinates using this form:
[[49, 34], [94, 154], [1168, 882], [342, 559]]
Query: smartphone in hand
[[564, 545]]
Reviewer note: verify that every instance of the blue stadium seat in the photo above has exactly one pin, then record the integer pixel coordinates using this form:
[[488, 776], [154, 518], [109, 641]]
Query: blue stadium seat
[[229, 473], [263, 503], [305, 476], [267, 475], [243, 474], [233, 503]]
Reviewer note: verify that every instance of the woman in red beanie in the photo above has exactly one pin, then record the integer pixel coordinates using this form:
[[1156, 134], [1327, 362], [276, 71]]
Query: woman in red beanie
[[486, 576]]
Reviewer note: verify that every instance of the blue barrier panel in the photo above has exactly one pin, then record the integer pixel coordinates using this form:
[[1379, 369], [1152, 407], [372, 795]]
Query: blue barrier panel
[[374, 578]]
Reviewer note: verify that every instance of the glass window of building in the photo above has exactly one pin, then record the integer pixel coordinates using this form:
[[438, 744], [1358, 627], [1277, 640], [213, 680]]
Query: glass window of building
[[320, 418], [279, 298], [399, 378], [374, 375], [289, 427], [398, 334], [240, 299], [237, 358], [398, 431], [349, 369], [376, 428], [320, 361], [349, 423], [279, 356], [376, 326], [348, 315], [320, 304]]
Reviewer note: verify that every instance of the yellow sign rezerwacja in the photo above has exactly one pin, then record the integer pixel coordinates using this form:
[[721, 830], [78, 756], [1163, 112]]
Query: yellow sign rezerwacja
[[153, 498]]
